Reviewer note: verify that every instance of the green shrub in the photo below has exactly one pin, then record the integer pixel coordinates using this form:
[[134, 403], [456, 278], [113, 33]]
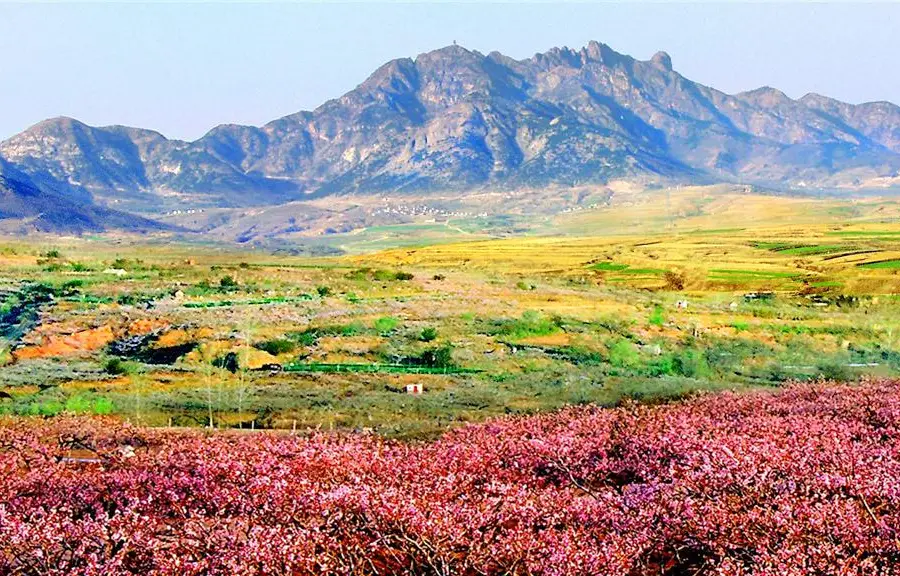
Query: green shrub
[[78, 404], [277, 346], [70, 288], [692, 363], [437, 357], [228, 283], [117, 367], [657, 316], [577, 355], [831, 370], [661, 390], [428, 334], [389, 275], [202, 288], [358, 274], [777, 373], [229, 362], [323, 291], [386, 324], [126, 299], [305, 338], [103, 406], [441, 357], [730, 353], [662, 366], [384, 275], [49, 408], [622, 354], [530, 324], [310, 336], [619, 326], [352, 329]]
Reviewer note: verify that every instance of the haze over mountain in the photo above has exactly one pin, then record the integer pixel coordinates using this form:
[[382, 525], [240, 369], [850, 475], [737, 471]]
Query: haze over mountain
[[455, 120], [26, 208]]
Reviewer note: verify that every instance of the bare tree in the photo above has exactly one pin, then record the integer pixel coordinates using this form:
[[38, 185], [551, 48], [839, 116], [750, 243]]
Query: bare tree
[[138, 387], [206, 366], [242, 391]]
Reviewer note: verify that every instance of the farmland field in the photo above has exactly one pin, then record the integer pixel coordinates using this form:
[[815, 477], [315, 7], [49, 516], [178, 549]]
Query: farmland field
[[187, 335]]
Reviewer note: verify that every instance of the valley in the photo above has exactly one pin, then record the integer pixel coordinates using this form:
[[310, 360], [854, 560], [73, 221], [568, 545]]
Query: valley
[[655, 296]]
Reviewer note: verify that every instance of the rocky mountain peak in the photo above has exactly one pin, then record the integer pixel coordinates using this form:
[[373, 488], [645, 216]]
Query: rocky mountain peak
[[398, 75], [815, 98], [599, 52], [454, 119], [662, 60], [766, 94], [454, 53]]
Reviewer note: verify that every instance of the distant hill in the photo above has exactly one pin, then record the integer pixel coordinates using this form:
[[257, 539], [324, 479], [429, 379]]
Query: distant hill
[[457, 120], [26, 208]]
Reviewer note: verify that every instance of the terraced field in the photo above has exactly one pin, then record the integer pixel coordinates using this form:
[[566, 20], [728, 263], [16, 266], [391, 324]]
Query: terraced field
[[790, 258]]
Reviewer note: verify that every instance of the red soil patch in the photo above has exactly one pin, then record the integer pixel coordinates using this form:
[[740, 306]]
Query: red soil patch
[[66, 345]]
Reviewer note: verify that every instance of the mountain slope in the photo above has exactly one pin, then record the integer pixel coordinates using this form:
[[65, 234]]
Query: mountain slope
[[457, 120], [137, 168], [26, 208]]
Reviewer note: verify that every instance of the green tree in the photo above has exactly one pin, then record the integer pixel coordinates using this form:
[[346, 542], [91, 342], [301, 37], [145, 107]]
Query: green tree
[[622, 354]]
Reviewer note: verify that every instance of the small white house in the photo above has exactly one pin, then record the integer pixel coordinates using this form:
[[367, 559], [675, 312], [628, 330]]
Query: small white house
[[681, 304]]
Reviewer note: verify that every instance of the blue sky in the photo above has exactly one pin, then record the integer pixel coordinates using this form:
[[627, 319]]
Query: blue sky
[[182, 68]]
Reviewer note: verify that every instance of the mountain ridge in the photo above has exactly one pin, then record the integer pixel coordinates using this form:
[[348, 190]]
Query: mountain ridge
[[454, 119]]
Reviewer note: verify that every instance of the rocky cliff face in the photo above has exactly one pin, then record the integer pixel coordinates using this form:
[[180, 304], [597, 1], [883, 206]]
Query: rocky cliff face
[[455, 119]]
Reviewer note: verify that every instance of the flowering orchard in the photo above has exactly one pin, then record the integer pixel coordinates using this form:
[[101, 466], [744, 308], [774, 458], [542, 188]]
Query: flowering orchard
[[802, 481]]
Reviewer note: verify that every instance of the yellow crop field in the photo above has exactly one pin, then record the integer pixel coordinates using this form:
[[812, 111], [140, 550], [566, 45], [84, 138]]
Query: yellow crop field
[[714, 243]]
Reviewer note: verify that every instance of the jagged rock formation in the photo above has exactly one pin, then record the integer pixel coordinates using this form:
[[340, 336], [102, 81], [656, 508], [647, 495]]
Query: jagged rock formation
[[455, 119]]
